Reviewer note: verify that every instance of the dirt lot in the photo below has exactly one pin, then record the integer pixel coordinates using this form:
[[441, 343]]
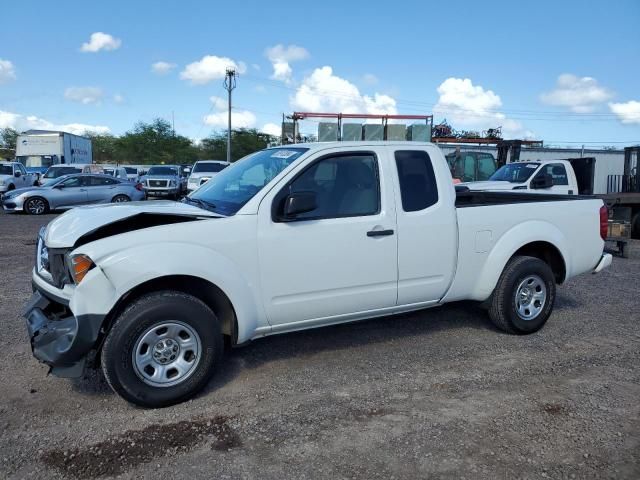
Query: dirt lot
[[437, 394]]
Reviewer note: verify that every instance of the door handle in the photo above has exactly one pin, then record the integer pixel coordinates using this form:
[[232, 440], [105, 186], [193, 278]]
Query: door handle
[[379, 233]]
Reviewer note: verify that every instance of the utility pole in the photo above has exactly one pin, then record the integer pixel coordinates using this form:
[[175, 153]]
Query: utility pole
[[229, 85]]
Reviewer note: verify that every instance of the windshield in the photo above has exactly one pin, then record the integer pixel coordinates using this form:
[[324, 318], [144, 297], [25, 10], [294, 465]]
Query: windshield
[[108, 171], [236, 185], [515, 172], [131, 170], [201, 167], [55, 172], [163, 171], [6, 170]]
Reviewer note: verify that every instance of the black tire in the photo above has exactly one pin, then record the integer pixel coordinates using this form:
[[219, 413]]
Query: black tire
[[31, 203], [120, 198], [503, 309], [131, 325], [635, 226]]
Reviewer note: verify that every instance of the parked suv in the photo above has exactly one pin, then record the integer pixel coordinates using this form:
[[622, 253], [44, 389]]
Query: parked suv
[[202, 171], [163, 180]]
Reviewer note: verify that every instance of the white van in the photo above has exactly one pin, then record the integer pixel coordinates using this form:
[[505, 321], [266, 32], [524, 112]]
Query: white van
[[57, 171]]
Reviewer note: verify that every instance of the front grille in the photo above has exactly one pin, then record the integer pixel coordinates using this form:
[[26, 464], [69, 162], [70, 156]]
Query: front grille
[[158, 183], [51, 265]]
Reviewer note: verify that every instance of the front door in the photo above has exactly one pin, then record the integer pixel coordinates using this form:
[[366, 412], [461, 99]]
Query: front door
[[72, 193], [341, 257], [558, 173]]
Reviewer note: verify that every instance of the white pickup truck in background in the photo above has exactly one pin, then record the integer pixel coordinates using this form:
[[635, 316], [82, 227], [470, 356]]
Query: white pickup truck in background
[[287, 239], [548, 176], [13, 175]]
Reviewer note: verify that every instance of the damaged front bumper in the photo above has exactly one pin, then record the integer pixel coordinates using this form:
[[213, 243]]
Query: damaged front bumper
[[58, 338]]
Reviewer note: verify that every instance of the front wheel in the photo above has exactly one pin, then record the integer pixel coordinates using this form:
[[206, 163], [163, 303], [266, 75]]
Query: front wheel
[[36, 206], [524, 296], [162, 349]]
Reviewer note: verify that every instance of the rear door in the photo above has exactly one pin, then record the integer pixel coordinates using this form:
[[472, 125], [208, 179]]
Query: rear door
[[101, 189], [341, 257], [427, 228]]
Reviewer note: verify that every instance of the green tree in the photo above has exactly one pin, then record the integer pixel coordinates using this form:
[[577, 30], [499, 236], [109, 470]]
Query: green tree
[[243, 142], [104, 147], [8, 138], [153, 143]]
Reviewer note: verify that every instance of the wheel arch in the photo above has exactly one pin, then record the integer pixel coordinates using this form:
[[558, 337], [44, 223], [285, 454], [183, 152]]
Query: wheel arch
[[548, 253], [209, 293], [536, 238]]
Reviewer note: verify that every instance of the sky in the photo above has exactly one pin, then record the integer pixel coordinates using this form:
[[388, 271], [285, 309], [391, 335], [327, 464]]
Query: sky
[[567, 73]]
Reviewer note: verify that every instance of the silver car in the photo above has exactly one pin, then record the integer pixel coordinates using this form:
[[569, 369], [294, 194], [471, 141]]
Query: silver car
[[71, 191]]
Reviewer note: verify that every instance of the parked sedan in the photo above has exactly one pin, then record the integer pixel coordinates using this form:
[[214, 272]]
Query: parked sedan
[[71, 191]]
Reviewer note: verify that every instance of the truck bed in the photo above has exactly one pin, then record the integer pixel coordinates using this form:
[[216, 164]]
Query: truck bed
[[470, 198]]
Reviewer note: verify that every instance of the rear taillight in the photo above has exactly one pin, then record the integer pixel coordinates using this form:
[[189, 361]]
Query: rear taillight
[[604, 222], [139, 186]]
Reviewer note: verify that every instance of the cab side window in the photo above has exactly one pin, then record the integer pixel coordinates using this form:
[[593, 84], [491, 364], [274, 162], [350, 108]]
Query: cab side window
[[418, 186], [557, 172], [345, 186]]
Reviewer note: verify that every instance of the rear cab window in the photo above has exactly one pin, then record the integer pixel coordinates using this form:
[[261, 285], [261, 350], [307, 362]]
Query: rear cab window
[[418, 186]]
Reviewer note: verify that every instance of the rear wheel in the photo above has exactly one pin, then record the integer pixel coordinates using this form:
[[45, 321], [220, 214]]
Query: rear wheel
[[635, 226], [36, 206], [120, 198], [162, 349], [524, 296]]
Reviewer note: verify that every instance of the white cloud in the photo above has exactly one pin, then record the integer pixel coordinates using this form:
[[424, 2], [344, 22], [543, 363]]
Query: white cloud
[[219, 103], [370, 79], [280, 58], [25, 122], [323, 91], [256, 66], [469, 106], [7, 71], [628, 112], [84, 95], [220, 119], [162, 68], [239, 119], [580, 95], [101, 41], [118, 98], [271, 129], [210, 68]]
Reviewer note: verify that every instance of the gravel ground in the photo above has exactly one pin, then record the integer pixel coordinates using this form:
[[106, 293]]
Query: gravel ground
[[437, 393]]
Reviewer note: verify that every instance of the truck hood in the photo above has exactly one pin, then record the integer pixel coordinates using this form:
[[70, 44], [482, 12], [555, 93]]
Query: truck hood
[[89, 222], [491, 185], [196, 176]]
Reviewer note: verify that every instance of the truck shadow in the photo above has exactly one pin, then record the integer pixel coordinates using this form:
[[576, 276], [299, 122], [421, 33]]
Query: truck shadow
[[302, 344], [306, 343]]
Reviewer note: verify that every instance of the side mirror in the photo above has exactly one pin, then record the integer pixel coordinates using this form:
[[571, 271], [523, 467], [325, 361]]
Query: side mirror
[[17, 174], [299, 202], [543, 180]]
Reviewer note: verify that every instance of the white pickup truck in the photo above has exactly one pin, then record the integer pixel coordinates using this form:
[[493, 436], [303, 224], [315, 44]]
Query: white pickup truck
[[291, 238], [13, 175], [542, 176]]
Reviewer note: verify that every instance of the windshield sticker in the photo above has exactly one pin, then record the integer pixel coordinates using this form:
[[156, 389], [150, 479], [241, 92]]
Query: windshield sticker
[[283, 154]]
